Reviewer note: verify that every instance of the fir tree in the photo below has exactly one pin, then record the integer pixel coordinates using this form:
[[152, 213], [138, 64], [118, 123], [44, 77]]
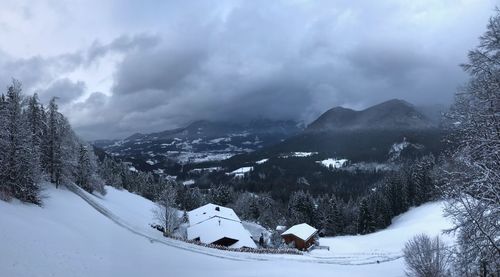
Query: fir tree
[[301, 208], [52, 144], [365, 219], [84, 170], [20, 174]]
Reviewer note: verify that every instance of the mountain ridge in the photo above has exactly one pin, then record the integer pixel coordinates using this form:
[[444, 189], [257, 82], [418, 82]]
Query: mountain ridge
[[391, 114]]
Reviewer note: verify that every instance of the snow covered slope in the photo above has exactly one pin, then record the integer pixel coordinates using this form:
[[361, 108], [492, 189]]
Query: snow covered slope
[[387, 243], [69, 237]]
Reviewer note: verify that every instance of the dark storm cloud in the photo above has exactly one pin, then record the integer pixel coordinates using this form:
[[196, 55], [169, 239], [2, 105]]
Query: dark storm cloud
[[160, 69], [180, 61]]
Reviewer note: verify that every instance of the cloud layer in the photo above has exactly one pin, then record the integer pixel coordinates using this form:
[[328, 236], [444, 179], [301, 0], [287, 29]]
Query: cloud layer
[[163, 64]]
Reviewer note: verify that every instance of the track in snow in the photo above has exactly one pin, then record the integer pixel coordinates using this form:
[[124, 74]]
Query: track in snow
[[338, 258]]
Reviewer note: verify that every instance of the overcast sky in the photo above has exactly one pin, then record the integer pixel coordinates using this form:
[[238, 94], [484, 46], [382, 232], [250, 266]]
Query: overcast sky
[[120, 67]]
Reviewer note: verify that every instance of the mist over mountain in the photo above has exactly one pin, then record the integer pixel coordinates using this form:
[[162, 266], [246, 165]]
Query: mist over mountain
[[389, 115], [203, 140]]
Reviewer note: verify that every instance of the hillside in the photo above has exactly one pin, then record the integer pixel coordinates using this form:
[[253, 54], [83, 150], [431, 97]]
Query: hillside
[[365, 136], [200, 141], [69, 237], [389, 115]]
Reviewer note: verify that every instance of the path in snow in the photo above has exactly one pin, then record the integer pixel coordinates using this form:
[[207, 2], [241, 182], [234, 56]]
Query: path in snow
[[341, 247], [70, 237]]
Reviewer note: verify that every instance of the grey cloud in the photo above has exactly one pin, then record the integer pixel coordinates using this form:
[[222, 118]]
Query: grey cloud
[[156, 69], [35, 71], [121, 44], [64, 89], [235, 60]]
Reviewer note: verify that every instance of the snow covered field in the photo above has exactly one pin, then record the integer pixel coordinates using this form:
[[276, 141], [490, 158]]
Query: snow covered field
[[335, 163], [69, 237], [387, 244]]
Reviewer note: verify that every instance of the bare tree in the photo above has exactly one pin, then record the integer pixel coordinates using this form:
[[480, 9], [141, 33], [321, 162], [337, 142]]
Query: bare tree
[[426, 257], [165, 211], [472, 176]]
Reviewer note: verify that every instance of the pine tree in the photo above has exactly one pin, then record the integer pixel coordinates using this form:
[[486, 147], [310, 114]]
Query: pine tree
[[5, 192], [221, 195], [365, 219], [109, 170], [35, 124], [68, 151], [338, 220], [381, 211], [301, 208], [52, 144], [19, 166], [330, 218], [34, 143], [84, 170], [421, 177]]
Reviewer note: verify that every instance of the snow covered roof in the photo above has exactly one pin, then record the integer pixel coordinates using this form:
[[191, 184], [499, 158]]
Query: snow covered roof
[[215, 228], [211, 223], [303, 231], [280, 228], [210, 210]]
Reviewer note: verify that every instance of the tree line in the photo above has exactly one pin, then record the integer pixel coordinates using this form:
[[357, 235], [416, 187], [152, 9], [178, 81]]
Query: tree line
[[37, 144]]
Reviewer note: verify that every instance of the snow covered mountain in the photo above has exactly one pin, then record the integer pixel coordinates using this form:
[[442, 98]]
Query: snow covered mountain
[[375, 139], [202, 141], [387, 132]]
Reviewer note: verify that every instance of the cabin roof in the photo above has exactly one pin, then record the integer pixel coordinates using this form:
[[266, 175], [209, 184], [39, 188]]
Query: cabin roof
[[210, 210], [216, 228], [302, 231]]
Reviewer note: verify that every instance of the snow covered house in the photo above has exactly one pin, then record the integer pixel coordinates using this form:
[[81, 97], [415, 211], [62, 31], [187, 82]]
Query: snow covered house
[[213, 224], [301, 235]]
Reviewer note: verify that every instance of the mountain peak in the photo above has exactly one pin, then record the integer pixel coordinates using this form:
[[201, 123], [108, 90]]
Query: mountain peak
[[395, 102], [391, 114]]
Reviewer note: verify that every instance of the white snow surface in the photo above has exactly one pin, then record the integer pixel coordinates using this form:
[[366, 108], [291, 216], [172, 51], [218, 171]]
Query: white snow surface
[[261, 161], [188, 182], [151, 162], [240, 172], [300, 154], [427, 218], [303, 231], [208, 211], [335, 163], [216, 228], [69, 237]]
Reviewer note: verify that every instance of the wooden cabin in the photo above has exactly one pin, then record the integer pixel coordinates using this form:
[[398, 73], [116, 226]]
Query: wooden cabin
[[302, 236]]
